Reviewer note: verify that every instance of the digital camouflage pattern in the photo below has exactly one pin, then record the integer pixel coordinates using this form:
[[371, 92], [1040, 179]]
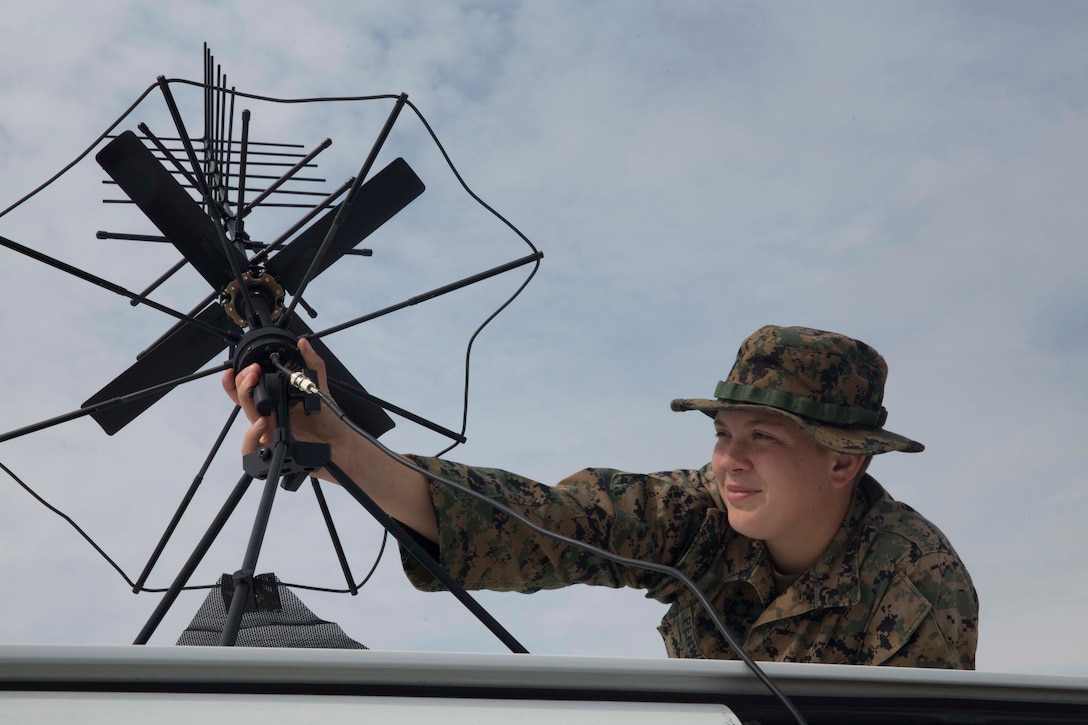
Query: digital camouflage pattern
[[829, 384], [890, 590]]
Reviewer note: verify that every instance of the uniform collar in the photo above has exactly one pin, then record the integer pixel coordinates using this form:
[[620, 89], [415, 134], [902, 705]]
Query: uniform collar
[[834, 581]]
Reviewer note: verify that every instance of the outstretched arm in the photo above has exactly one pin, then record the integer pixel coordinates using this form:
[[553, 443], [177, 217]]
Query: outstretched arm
[[400, 491]]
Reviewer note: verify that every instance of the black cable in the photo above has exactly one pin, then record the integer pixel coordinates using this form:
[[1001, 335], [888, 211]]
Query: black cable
[[64, 170], [670, 571], [360, 585], [327, 99], [159, 590], [468, 356], [70, 521], [504, 220]]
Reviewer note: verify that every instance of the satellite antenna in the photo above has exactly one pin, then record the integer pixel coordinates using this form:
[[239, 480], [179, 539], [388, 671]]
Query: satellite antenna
[[247, 312], [247, 315]]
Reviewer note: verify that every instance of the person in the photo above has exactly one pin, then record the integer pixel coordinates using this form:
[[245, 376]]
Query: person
[[804, 555]]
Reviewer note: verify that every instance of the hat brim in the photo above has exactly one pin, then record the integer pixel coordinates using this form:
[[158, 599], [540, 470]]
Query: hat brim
[[852, 440]]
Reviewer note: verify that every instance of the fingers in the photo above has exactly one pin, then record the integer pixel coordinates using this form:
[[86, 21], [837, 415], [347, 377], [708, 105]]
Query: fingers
[[314, 362], [239, 388], [255, 436], [229, 385]]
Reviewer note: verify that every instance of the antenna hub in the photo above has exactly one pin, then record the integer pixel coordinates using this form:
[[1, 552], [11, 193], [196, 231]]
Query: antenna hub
[[258, 346], [255, 283]]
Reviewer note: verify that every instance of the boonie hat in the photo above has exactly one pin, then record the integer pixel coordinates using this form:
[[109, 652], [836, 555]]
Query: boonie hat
[[829, 384]]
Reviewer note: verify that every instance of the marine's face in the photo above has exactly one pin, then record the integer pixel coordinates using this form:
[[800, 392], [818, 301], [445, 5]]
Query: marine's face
[[778, 483]]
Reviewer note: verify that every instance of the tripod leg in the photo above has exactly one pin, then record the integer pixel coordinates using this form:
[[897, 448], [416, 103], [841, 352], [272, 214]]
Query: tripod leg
[[197, 480], [194, 559], [327, 514], [432, 566], [243, 579]]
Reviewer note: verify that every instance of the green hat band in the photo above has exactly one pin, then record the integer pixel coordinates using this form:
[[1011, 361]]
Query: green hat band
[[824, 412]]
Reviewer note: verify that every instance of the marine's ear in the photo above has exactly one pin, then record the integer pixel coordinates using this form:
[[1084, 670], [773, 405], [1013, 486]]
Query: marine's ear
[[847, 469]]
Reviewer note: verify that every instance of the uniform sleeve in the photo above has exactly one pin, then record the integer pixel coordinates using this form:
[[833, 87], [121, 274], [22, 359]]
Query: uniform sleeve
[[637, 516]]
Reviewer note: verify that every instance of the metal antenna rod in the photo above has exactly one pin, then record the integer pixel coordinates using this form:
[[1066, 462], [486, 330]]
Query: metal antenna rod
[[239, 224], [315, 264], [215, 216], [280, 181], [185, 501]]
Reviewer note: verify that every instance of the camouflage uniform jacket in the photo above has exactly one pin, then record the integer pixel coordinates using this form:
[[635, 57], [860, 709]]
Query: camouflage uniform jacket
[[890, 590]]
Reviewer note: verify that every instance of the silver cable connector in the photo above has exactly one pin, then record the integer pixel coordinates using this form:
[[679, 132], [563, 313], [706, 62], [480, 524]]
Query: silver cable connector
[[303, 383]]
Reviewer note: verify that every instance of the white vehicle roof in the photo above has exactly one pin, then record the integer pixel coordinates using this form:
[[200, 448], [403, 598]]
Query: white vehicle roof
[[121, 684]]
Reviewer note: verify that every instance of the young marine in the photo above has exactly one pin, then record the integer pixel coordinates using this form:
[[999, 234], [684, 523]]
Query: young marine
[[802, 553]]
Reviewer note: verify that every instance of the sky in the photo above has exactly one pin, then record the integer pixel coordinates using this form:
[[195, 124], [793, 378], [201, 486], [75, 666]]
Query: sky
[[910, 174]]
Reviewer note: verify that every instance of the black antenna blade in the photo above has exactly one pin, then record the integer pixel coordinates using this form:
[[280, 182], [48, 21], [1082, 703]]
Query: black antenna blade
[[180, 352], [169, 207], [377, 201], [367, 414]]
